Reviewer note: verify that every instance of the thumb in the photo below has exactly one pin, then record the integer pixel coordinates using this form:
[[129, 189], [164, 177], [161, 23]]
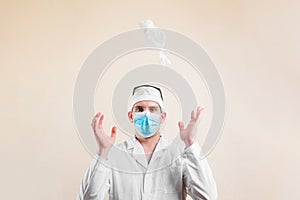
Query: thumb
[[180, 125], [113, 131]]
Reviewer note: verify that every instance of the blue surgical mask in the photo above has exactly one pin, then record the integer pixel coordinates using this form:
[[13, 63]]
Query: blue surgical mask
[[146, 123]]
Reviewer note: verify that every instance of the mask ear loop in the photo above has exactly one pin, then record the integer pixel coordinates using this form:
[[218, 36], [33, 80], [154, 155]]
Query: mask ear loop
[[157, 37]]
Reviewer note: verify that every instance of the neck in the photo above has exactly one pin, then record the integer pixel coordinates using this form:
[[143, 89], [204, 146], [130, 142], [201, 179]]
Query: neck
[[150, 143]]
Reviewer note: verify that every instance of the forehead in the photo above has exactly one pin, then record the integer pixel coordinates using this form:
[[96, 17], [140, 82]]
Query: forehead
[[146, 103]]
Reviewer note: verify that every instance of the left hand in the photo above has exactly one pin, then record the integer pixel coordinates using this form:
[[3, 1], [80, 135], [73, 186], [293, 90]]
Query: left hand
[[188, 134]]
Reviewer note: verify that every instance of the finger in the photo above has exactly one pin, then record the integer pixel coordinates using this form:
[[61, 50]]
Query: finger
[[114, 132], [96, 122], [94, 119], [100, 122], [98, 129], [101, 119], [180, 125], [199, 111], [192, 115]]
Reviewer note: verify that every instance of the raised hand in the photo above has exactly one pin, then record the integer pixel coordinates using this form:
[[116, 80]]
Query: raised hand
[[188, 134], [104, 141]]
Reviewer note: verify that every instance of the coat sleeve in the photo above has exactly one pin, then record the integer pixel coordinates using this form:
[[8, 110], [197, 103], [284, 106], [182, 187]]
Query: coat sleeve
[[95, 183], [197, 175]]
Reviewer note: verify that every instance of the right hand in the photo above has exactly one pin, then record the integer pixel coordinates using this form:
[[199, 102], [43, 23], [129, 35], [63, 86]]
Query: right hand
[[104, 141]]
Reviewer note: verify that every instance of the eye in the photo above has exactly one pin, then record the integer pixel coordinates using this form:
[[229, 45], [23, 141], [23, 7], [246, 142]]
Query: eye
[[139, 109], [153, 109]]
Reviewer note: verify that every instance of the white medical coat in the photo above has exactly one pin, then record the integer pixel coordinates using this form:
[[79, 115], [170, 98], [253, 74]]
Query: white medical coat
[[127, 175]]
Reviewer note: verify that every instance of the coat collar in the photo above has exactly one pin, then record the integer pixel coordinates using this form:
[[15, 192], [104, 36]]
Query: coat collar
[[133, 143], [137, 150]]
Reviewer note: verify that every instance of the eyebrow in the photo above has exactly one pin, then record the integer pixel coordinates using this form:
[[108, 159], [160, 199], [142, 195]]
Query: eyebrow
[[153, 106]]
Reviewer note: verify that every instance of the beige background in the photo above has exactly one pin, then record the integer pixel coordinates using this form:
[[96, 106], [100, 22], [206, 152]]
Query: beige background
[[254, 44]]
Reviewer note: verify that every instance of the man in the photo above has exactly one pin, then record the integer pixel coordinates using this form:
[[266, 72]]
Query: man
[[150, 168]]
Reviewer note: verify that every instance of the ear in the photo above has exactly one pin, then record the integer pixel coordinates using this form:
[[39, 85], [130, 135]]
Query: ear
[[130, 116], [163, 117]]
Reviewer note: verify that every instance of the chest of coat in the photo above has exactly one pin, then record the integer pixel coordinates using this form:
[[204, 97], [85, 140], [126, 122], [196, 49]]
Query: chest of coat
[[166, 180]]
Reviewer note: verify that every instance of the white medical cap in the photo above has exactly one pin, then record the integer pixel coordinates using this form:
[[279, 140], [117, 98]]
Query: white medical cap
[[146, 92]]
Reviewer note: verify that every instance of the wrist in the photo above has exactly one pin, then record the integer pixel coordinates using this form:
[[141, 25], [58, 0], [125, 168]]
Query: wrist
[[103, 152], [188, 142]]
